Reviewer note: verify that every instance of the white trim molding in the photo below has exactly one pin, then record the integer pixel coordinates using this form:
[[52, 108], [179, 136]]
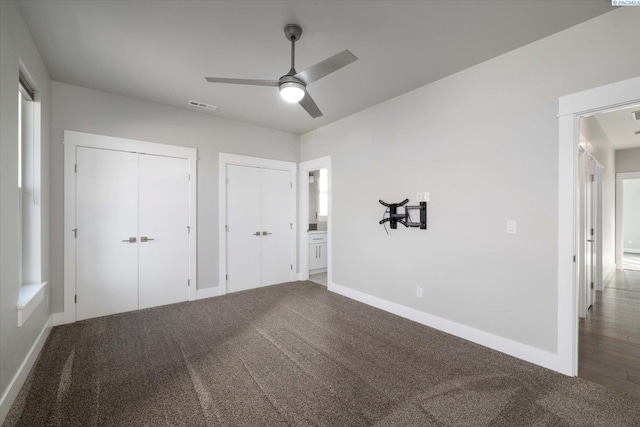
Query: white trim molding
[[72, 140], [571, 108], [29, 298], [225, 159], [513, 348], [58, 319], [207, 292], [303, 235], [19, 378]]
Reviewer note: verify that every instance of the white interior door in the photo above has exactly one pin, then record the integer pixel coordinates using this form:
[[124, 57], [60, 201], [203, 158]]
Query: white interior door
[[164, 233], [106, 220], [244, 232], [277, 226]]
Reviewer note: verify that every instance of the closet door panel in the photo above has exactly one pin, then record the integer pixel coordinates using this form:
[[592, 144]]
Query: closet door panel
[[276, 194], [164, 238], [244, 247], [106, 218]]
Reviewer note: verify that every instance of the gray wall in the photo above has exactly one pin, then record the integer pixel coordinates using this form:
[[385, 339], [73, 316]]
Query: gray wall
[[16, 44], [86, 110], [605, 154], [631, 216], [628, 160], [484, 142]]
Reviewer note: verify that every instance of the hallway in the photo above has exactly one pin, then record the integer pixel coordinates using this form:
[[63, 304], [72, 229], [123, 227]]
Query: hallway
[[609, 338]]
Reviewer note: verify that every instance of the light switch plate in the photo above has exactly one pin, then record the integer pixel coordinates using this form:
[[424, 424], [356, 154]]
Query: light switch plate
[[426, 197], [511, 227]]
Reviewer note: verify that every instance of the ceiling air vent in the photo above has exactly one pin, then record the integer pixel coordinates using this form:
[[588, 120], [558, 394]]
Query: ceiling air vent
[[202, 105], [635, 115]]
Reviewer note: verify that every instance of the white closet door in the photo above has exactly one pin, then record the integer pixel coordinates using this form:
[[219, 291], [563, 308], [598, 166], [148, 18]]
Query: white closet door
[[106, 218], [243, 222], [276, 223], [164, 237]]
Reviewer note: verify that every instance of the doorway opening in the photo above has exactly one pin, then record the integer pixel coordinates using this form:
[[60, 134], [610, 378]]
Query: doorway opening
[[315, 221], [608, 224]]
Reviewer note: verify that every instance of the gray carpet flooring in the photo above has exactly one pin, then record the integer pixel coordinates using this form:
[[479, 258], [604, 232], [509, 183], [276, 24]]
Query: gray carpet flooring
[[293, 354]]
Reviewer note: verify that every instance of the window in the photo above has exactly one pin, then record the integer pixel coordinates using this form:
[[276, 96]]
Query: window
[[323, 195], [28, 185]]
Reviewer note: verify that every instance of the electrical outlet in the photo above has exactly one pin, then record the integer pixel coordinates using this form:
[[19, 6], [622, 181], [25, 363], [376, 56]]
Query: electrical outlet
[[419, 292], [511, 227], [419, 197], [426, 197]]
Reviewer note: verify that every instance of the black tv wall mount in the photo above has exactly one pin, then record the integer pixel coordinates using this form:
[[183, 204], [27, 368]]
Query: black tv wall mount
[[404, 218]]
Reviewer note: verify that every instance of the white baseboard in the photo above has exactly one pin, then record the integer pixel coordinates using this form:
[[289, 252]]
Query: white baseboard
[[632, 250], [207, 292], [513, 348], [58, 319], [18, 379], [609, 275]]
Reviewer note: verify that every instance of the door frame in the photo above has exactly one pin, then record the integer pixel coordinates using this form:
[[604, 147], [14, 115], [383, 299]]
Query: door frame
[[225, 159], [303, 242], [72, 140], [620, 178], [571, 108]]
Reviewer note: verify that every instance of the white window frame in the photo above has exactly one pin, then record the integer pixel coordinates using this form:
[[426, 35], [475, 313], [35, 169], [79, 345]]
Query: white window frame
[[32, 290], [323, 218]]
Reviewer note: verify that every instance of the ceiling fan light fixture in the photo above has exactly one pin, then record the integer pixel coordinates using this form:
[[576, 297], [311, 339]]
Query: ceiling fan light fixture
[[292, 92]]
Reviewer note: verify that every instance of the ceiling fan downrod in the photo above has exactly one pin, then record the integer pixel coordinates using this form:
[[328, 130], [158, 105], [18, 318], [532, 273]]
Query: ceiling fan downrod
[[293, 33]]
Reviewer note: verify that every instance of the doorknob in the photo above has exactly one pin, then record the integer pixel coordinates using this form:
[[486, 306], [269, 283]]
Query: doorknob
[[257, 233], [145, 239], [590, 241], [264, 233], [131, 240]]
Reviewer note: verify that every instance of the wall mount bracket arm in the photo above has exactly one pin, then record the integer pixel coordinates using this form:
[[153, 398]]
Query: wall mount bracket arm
[[404, 218]]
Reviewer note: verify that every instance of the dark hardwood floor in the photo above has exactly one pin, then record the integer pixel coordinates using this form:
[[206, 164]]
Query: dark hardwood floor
[[609, 343]]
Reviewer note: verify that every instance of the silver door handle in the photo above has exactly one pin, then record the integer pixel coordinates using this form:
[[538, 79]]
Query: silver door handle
[[130, 240], [264, 233], [257, 233], [145, 239], [317, 247], [319, 238], [319, 251], [590, 241]]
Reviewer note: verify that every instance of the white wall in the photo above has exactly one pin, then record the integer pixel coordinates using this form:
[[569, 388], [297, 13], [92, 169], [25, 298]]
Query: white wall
[[16, 44], [628, 160], [605, 154], [86, 110], [631, 216], [484, 142]]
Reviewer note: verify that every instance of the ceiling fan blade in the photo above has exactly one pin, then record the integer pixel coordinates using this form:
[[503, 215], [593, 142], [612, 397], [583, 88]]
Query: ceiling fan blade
[[310, 106], [328, 66], [243, 81]]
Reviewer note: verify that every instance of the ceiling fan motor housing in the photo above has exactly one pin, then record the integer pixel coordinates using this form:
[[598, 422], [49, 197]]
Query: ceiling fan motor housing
[[293, 32]]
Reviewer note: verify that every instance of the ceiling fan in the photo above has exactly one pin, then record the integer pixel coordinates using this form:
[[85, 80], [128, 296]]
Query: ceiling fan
[[293, 85]]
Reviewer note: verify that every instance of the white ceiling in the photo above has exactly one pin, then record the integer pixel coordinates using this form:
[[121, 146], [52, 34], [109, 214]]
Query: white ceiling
[[620, 127], [161, 50]]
